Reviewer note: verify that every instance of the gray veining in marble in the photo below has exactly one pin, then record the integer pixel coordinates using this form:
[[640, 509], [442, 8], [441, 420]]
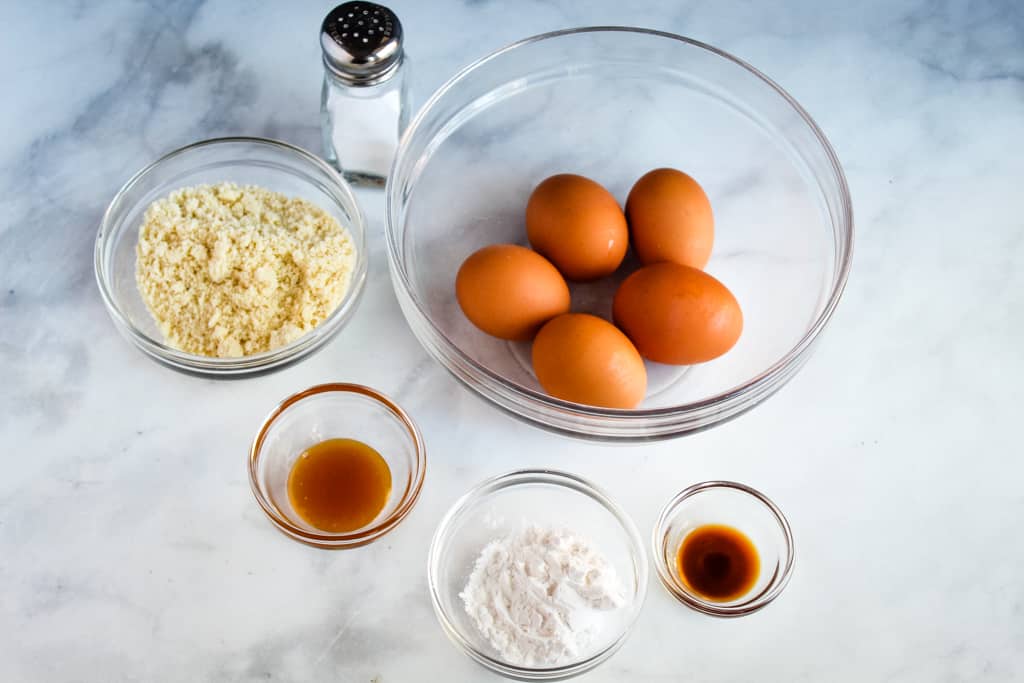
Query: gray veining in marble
[[131, 549]]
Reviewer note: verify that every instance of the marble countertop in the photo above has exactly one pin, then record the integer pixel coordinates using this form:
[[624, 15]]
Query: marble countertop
[[131, 548]]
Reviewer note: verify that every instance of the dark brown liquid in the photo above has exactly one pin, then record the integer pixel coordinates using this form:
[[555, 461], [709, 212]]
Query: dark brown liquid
[[339, 485], [718, 563]]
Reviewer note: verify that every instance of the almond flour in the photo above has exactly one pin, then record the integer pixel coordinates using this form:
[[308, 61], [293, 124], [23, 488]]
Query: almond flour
[[230, 271]]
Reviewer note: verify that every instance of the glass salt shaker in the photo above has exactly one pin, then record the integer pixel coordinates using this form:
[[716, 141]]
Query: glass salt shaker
[[364, 105]]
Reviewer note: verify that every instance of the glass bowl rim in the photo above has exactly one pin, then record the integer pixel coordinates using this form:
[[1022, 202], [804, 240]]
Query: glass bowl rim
[[706, 606], [777, 370], [560, 479], [347, 539], [211, 366]]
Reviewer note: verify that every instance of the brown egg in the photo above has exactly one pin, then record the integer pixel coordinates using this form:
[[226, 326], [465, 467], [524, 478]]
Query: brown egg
[[578, 225], [670, 219], [582, 358], [509, 291], [677, 314]]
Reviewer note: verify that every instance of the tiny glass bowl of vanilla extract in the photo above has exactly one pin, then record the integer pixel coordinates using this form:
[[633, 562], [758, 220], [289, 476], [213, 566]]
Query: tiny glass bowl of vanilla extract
[[723, 548], [337, 465]]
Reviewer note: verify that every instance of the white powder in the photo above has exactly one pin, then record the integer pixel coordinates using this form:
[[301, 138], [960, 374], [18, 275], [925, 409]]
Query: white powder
[[541, 596], [364, 131]]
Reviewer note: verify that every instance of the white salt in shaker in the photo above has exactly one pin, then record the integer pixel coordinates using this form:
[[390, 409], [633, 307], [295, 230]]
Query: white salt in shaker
[[365, 104]]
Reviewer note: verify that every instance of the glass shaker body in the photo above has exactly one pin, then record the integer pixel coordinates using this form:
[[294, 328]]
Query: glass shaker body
[[362, 123]]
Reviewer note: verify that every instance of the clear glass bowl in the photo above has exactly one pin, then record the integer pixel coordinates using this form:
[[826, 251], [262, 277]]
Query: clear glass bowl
[[275, 165], [738, 506], [328, 411], [612, 104], [506, 503]]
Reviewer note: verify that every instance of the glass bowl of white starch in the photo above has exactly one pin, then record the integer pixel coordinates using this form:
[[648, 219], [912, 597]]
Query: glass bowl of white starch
[[537, 575]]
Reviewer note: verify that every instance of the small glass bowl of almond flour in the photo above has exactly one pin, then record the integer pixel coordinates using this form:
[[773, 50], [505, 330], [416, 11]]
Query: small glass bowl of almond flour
[[537, 575], [273, 286]]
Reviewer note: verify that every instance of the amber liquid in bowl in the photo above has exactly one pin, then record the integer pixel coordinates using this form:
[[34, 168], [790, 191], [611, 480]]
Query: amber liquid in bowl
[[718, 562], [339, 485]]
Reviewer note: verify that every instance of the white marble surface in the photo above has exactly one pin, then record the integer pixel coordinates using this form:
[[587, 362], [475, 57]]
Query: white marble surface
[[131, 548]]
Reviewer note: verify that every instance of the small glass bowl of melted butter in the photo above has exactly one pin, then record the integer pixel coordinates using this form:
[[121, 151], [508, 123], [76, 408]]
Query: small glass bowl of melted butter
[[723, 548], [337, 465]]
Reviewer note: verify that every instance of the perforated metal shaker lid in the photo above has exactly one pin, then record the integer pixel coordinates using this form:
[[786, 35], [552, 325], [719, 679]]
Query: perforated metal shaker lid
[[362, 42]]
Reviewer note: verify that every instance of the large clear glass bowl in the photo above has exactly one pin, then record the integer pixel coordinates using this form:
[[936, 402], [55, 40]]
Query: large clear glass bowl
[[612, 104], [271, 164]]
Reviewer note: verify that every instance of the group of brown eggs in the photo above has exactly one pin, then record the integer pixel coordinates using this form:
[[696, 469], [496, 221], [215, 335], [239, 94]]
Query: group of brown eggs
[[668, 311]]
